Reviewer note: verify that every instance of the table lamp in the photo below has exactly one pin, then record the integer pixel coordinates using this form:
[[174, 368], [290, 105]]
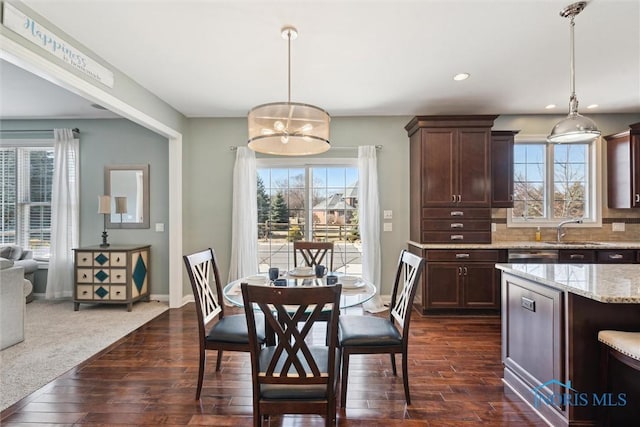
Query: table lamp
[[104, 207]]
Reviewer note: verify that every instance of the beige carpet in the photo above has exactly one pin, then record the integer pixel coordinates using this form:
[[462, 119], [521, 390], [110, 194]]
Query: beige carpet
[[58, 338]]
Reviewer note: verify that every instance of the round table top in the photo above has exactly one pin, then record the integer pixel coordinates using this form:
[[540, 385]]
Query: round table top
[[351, 295]]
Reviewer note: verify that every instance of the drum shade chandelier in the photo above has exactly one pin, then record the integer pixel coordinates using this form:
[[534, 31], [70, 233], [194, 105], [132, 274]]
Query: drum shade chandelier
[[288, 128], [575, 127]]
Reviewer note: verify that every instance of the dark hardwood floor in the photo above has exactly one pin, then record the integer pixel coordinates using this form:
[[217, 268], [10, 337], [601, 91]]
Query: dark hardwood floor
[[149, 378]]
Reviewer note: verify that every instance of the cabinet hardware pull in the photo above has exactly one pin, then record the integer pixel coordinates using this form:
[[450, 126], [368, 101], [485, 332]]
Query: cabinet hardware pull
[[84, 292], [459, 198], [457, 213], [465, 270], [615, 256], [462, 256], [638, 197], [457, 225], [457, 237], [459, 271], [511, 197], [576, 256], [84, 276], [528, 304], [453, 198]]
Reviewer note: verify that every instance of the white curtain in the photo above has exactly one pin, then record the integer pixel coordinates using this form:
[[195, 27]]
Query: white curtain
[[64, 214], [369, 216], [244, 228]]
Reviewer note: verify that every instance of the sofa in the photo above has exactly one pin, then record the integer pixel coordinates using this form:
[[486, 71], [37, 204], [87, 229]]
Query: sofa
[[21, 258], [12, 303]]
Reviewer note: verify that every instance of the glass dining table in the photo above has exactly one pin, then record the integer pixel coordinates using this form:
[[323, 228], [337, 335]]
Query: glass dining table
[[353, 294]]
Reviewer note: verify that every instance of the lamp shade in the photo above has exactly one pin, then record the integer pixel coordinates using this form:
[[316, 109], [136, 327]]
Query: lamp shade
[[573, 128], [288, 129], [104, 204], [121, 204]]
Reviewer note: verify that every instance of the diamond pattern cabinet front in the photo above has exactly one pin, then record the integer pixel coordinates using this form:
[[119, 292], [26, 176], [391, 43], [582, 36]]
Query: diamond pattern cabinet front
[[119, 274]]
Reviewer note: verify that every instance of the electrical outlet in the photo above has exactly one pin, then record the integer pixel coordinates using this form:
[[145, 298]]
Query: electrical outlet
[[388, 226], [617, 226], [494, 227]]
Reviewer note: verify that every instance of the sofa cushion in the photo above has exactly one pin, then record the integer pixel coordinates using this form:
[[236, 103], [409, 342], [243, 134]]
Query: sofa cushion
[[5, 263], [13, 252]]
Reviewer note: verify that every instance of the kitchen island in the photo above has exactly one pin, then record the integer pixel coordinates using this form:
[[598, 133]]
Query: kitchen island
[[551, 315]]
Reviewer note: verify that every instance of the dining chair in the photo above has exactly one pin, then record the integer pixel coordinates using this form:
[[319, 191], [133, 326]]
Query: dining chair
[[229, 332], [376, 335], [313, 253], [294, 374]]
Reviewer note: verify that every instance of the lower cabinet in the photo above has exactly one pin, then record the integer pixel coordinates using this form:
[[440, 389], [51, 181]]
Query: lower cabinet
[[118, 274], [458, 280]]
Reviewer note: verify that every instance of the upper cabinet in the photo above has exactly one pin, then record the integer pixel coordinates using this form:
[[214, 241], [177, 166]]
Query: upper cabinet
[[623, 168], [502, 168], [450, 167]]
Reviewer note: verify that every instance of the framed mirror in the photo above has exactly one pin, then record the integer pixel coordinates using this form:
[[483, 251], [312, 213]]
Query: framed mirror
[[128, 186]]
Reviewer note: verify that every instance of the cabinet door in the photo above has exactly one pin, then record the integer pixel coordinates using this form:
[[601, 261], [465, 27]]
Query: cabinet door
[[502, 169], [473, 168], [438, 174], [443, 285], [635, 170], [480, 286]]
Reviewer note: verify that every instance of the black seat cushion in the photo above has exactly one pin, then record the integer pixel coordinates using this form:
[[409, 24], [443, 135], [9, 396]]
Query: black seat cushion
[[233, 329], [295, 391], [367, 331]]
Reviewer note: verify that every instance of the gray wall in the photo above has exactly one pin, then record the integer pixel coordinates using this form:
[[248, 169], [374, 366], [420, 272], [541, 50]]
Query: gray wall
[[116, 142]]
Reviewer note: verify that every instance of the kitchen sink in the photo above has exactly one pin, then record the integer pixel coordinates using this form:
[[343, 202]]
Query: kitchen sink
[[572, 242]]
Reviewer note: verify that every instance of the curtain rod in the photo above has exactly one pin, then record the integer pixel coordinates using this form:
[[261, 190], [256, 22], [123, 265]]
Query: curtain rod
[[378, 147], [75, 130]]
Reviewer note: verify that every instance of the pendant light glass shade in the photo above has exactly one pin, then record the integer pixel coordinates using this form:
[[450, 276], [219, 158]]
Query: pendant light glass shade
[[575, 127], [288, 128]]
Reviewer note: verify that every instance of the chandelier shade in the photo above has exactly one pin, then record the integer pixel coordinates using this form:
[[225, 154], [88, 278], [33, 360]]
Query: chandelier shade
[[288, 128], [575, 127]]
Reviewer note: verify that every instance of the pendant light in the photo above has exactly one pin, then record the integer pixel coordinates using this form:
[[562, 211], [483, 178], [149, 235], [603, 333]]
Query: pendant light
[[575, 127], [288, 128]]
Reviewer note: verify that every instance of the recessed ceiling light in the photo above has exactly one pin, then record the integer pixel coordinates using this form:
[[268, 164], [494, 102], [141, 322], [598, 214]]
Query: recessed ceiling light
[[461, 76], [592, 106], [550, 106]]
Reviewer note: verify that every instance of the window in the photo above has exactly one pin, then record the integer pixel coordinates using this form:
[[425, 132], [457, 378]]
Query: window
[[554, 182], [26, 175], [314, 202]]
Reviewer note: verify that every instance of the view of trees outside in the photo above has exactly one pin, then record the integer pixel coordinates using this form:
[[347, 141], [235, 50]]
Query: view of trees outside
[[26, 176], [569, 186], [310, 203]]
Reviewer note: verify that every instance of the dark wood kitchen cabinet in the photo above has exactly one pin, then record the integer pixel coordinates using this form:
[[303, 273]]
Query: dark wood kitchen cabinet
[[623, 168], [502, 168], [460, 280], [450, 167]]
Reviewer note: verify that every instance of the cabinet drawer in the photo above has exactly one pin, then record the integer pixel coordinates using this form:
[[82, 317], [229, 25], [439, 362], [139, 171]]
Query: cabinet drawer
[[84, 275], [118, 293], [459, 213], [118, 275], [576, 255], [84, 259], [101, 292], [456, 237], [118, 259], [84, 292], [472, 255], [101, 275], [626, 256], [456, 225]]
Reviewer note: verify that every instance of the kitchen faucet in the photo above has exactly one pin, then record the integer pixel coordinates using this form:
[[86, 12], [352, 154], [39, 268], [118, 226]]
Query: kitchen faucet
[[560, 226]]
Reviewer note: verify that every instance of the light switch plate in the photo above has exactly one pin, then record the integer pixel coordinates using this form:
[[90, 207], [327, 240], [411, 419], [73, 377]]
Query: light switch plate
[[388, 226], [160, 227], [387, 214], [617, 226]]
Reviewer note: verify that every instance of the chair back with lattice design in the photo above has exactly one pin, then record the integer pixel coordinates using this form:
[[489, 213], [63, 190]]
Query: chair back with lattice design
[[404, 289], [205, 283], [296, 359], [313, 253]]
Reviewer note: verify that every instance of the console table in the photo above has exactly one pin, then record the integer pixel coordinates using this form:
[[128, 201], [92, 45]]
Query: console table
[[118, 274]]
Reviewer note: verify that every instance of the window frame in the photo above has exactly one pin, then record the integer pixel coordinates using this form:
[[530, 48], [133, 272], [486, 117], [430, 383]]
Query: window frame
[[594, 191], [22, 191]]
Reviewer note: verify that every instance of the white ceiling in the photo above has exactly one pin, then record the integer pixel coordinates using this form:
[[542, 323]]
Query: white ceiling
[[215, 58]]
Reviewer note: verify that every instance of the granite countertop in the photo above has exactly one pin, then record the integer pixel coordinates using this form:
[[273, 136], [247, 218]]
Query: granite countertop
[[529, 245], [607, 283]]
